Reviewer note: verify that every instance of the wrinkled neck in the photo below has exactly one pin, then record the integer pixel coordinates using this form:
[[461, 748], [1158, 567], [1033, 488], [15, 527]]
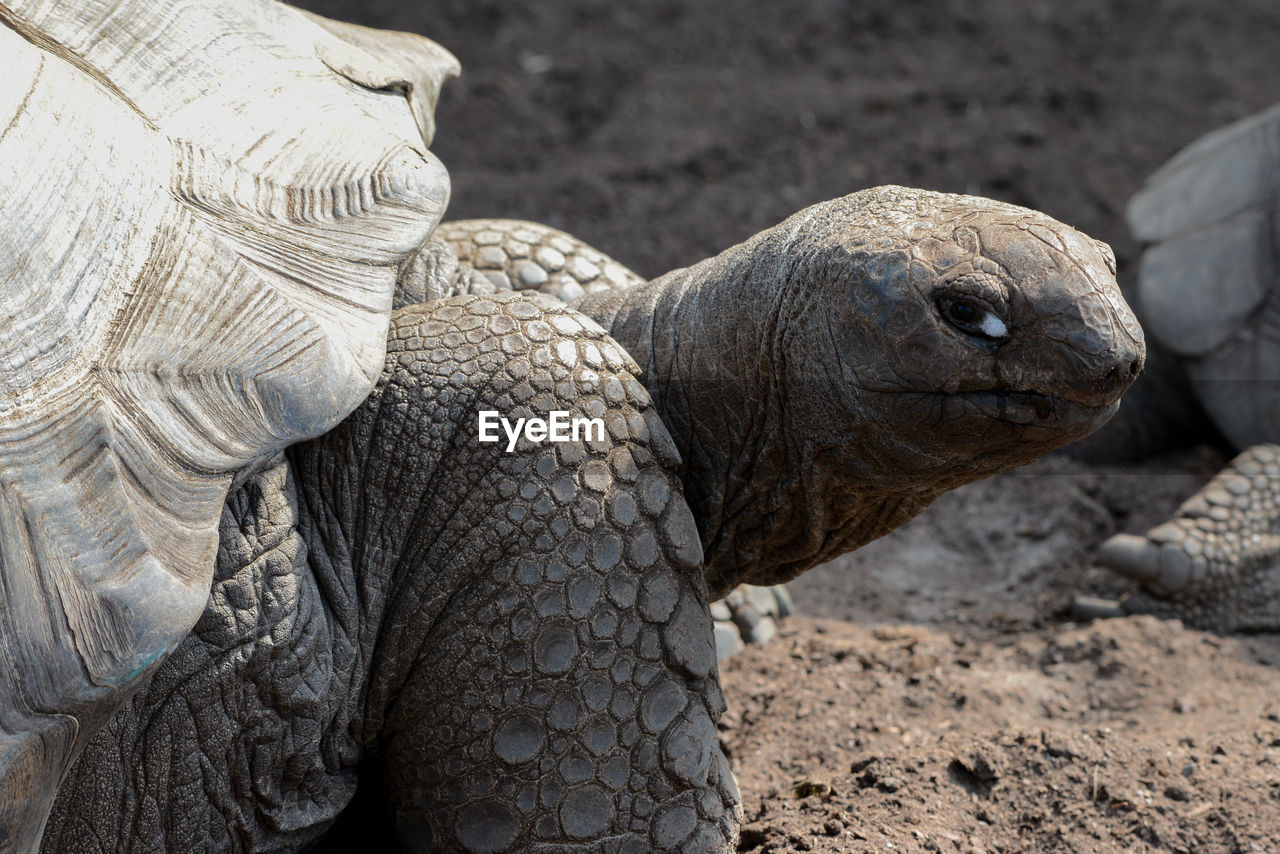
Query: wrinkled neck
[[709, 341]]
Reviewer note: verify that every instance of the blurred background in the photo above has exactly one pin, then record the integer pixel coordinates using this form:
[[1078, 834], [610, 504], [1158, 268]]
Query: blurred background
[[662, 131]]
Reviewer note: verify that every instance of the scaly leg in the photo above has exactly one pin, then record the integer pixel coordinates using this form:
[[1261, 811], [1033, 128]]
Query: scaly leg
[[1216, 563]]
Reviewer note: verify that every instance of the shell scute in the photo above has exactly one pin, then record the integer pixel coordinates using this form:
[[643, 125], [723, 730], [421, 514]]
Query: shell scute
[[206, 209]]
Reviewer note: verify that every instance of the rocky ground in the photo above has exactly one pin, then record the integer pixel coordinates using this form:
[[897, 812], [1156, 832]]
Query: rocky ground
[[937, 697]]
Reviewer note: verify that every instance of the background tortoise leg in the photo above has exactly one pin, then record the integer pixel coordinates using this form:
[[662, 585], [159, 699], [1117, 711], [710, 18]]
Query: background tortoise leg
[[1216, 563], [518, 255]]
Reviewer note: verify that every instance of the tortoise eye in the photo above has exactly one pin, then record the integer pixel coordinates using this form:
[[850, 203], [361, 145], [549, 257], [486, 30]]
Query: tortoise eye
[[973, 318], [962, 312]]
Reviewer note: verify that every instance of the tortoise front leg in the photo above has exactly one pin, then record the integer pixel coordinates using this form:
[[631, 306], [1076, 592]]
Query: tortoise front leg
[[569, 697], [545, 676]]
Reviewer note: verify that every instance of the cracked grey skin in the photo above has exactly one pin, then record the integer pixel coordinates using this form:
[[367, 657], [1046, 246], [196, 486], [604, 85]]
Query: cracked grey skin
[[416, 641], [1208, 292], [491, 256]]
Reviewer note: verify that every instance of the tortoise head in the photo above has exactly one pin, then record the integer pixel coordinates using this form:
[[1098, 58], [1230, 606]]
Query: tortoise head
[[827, 378], [943, 338]]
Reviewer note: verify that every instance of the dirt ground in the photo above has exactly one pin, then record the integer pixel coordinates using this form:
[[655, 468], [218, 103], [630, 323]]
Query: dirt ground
[[935, 696]]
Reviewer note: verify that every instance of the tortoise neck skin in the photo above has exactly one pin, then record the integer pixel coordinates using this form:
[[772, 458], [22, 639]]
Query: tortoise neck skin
[[826, 379]]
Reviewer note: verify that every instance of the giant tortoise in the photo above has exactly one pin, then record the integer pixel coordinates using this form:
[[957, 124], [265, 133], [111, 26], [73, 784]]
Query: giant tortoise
[[266, 584]]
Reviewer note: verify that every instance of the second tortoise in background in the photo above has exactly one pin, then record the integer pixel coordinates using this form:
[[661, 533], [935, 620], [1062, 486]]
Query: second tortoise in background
[[1209, 292]]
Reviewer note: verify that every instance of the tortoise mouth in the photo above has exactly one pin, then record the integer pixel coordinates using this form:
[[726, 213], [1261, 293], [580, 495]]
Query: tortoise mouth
[[1036, 409]]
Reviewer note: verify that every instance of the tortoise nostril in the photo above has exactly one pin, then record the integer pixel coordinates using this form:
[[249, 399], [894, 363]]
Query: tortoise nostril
[[1121, 374]]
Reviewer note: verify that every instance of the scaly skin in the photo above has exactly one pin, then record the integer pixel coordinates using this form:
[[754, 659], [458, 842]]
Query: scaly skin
[[513, 651], [516, 646], [1214, 564], [496, 255]]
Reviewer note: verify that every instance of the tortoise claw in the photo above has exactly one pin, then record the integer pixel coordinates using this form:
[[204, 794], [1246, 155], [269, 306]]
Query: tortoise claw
[[749, 615], [1085, 608], [1133, 557]]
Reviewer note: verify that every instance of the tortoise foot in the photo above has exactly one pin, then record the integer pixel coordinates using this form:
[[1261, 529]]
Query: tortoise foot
[[749, 615], [1216, 563]]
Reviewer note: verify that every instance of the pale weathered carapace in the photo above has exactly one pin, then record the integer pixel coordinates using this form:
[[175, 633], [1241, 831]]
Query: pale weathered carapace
[[206, 205]]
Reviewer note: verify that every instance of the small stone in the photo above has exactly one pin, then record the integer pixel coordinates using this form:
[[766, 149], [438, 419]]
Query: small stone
[[889, 784], [762, 599]]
